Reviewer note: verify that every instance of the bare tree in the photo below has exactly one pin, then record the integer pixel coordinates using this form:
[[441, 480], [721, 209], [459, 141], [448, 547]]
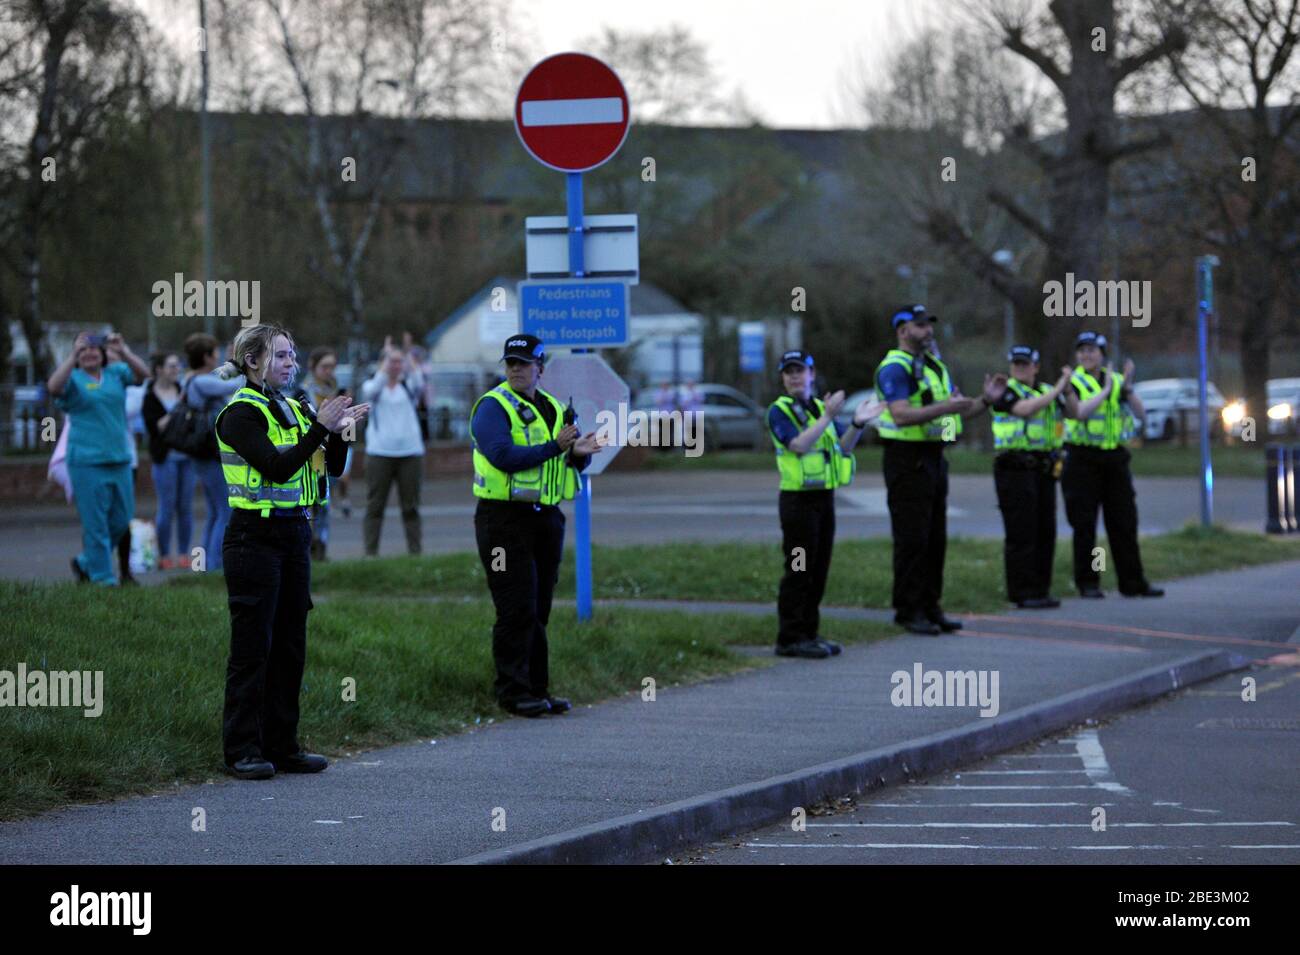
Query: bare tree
[[74, 65], [1242, 71], [360, 72], [669, 77], [1086, 51]]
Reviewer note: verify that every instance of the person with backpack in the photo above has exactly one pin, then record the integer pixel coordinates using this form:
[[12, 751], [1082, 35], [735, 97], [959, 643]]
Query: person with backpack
[[173, 470], [394, 445], [206, 393]]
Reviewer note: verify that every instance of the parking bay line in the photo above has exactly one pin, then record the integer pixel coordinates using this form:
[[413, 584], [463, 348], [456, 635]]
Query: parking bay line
[[1021, 772], [1038, 825], [941, 846], [980, 805]]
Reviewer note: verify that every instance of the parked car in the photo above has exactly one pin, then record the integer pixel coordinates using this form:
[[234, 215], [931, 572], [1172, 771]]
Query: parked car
[[1283, 408], [731, 419], [1283, 405], [1174, 403]]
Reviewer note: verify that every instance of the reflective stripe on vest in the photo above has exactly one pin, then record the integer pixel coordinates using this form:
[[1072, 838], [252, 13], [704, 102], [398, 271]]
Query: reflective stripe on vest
[[824, 467], [1105, 427], [246, 488], [1038, 432], [934, 385], [552, 481]]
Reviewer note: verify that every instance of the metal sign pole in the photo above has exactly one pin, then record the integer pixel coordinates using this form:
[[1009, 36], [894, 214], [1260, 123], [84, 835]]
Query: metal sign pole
[[582, 506], [1205, 305]]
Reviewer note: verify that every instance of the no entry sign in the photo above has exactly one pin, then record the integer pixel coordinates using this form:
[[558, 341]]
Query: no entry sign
[[571, 112]]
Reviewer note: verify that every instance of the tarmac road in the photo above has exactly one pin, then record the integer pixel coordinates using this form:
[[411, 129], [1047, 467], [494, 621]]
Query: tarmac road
[[1201, 777], [653, 507]]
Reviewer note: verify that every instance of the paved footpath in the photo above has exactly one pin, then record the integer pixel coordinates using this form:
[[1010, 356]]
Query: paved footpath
[[437, 801]]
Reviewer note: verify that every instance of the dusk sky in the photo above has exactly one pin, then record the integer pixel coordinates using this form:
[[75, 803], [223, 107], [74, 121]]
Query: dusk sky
[[791, 60]]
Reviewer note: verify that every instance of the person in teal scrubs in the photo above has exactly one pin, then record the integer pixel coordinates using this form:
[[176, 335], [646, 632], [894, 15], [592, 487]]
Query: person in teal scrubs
[[91, 388]]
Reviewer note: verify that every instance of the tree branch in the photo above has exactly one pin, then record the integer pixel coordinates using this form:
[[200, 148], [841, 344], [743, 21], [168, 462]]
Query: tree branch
[[1174, 41], [1023, 217], [1013, 39]]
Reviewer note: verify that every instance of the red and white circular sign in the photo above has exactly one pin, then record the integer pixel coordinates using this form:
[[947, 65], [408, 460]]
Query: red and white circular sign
[[571, 112]]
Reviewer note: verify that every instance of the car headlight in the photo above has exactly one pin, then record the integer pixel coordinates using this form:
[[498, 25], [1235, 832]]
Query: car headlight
[[1280, 411], [1233, 413]]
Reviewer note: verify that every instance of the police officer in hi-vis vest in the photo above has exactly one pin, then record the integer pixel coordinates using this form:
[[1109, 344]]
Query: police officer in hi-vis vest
[[923, 413], [814, 457], [1026, 438], [1096, 472], [527, 455], [275, 456]]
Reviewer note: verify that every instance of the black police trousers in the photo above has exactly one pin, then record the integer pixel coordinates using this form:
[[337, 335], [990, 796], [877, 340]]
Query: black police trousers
[[916, 480], [268, 582], [520, 546], [1095, 478], [1027, 499], [807, 536]]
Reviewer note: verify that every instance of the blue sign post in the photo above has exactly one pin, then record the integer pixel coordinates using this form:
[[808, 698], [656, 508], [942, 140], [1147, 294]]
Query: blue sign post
[[582, 507], [1204, 307], [572, 115]]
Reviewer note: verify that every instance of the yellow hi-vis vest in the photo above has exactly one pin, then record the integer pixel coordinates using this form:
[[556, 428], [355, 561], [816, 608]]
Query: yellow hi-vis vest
[[1107, 427], [554, 480], [246, 488], [824, 467], [934, 384], [1038, 432]]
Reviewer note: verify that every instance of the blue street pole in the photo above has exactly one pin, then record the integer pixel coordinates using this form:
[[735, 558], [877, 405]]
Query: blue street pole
[[1205, 305], [582, 506]]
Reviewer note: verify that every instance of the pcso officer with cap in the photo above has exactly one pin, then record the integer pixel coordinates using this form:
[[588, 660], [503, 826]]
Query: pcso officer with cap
[[814, 457], [1026, 439], [1096, 471], [923, 413], [527, 455]]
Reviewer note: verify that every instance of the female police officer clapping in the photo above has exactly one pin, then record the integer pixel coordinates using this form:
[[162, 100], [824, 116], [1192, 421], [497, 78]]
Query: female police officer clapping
[[274, 457]]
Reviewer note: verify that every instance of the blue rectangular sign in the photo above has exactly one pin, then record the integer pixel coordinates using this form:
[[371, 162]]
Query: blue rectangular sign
[[572, 313], [752, 348]]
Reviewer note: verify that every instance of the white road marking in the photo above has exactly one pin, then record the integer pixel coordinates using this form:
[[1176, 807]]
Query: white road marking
[[1295, 846], [1020, 772], [329, 822], [1088, 745], [976, 805], [1034, 825], [572, 112], [1010, 787], [947, 845], [1044, 756]]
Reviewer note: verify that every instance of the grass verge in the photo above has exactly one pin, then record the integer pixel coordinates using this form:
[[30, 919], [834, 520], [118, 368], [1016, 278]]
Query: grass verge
[[1153, 460], [422, 669], [861, 573]]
